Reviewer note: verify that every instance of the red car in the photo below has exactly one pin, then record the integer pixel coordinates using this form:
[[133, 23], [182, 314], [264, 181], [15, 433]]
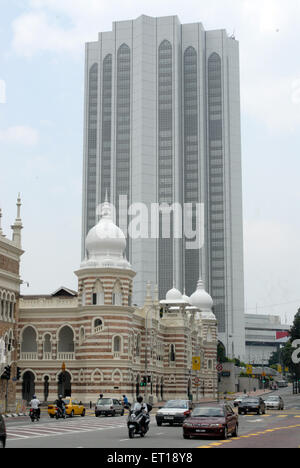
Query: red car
[[217, 420]]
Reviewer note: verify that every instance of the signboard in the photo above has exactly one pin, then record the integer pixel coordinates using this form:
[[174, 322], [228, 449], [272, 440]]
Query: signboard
[[279, 368], [226, 374], [249, 369], [219, 367], [196, 363]]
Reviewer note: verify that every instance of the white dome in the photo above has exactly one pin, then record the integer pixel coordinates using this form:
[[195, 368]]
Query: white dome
[[106, 243], [174, 295], [201, 299]]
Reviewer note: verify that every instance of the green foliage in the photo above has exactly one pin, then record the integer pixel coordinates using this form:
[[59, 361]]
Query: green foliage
[[287, 351]]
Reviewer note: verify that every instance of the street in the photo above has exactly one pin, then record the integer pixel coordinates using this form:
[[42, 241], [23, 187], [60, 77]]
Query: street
[[275, 429]]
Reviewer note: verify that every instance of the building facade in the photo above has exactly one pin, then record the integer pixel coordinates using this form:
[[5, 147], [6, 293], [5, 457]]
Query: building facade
[[107, 345], [10, 255], [265, 334], [162, 125]]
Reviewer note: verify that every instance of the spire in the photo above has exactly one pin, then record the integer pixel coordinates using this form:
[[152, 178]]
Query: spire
[[1, 231], [17, 226], [106, 211]]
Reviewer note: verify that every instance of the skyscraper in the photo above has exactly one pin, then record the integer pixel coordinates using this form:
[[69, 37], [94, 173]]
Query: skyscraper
[[162, 125]]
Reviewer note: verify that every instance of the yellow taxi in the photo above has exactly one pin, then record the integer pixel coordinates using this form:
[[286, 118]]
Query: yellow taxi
[[73, 408]]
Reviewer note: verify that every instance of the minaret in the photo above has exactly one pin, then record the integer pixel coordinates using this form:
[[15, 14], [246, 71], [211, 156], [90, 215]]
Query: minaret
[[1, 231], [17, 226]]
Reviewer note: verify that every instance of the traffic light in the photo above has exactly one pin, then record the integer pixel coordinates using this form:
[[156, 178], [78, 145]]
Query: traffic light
[[144, 381], [18, 376], [6, 373]]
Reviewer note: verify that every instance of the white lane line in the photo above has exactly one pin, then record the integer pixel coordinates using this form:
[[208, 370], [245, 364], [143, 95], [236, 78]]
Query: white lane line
[[16, 435]]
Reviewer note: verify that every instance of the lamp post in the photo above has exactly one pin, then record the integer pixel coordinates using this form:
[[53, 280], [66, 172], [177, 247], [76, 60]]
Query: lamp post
[[151, 308]]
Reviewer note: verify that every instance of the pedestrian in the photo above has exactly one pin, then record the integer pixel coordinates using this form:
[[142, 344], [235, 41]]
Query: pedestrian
[[101, 396]]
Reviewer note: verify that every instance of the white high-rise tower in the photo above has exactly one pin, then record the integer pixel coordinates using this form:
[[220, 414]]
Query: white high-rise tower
[[162, 124]]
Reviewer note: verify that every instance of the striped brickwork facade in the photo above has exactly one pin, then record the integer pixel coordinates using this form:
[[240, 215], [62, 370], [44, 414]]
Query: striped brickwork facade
[[113, 345]]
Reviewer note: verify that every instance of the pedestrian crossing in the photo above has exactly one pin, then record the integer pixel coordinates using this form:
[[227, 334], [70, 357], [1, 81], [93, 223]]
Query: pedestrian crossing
[[63, 427]]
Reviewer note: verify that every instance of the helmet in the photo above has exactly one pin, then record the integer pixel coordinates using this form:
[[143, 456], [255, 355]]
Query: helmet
[[140, 399]]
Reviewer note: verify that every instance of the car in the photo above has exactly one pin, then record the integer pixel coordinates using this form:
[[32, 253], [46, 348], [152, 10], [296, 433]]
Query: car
[[2, 432], [73, 408], [252, 405], [274, 402], [282, 383], [109, 406], [239, 399], [174, 412], [216, 420]]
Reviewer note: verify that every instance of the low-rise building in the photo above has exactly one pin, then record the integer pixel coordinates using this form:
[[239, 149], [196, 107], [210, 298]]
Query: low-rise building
[[95, 341], [264, 335]]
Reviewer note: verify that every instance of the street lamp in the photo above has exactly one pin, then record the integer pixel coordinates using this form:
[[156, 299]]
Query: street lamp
[[151, 308]]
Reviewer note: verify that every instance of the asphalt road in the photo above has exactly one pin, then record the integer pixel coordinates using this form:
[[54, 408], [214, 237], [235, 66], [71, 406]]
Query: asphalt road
[[275, 429]]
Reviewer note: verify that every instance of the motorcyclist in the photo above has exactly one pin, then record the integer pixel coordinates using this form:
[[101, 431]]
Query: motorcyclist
[[35, 405], [61, 405], [140, 407]]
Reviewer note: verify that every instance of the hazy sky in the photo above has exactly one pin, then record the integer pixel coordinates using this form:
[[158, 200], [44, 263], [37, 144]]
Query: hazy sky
[[41, 131]]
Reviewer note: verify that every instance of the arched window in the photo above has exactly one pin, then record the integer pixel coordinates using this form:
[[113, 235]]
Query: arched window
[[82, 335], [117, 344], [98, 294], [47, 347], [138, 346], [117, 296], [66, 344], [172, 353], [29, 344], [98, 325]]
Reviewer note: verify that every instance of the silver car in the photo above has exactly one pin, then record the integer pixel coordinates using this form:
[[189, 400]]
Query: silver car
[[109, 406], [274, 402], [174, 412]]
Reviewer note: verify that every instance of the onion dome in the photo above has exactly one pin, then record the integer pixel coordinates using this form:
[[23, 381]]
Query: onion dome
[[174, 295], [106, 243], [202, 300]]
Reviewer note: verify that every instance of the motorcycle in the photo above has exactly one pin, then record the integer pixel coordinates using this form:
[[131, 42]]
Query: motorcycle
[[59, 413], [135, 426], [34, 414]]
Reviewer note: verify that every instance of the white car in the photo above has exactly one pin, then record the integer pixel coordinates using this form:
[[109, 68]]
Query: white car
[[174, 412]]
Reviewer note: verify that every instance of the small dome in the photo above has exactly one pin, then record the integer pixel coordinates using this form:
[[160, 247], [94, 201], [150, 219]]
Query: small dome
[[174, 295], [201, 299]]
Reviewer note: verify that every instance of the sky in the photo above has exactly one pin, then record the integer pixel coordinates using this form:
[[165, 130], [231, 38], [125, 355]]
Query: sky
[[41, 132]]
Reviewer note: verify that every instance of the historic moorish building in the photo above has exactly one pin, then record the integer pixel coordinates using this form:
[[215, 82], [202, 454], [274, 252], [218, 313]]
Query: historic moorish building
[[10, 254], [107, 344]]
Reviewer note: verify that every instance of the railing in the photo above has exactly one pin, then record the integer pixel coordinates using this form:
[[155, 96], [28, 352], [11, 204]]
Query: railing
[[99, 329], [47, 356], [29, 356], [117, 355], [66, 356]]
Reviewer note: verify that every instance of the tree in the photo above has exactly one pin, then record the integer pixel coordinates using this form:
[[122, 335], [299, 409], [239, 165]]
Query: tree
[[274, 359], [287, 351], [221, 353]]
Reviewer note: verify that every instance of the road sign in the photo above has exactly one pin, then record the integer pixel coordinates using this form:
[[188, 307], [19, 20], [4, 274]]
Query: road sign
[[249, 369], [279, 368], [219, 367], [196, 363], [196, 380]]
